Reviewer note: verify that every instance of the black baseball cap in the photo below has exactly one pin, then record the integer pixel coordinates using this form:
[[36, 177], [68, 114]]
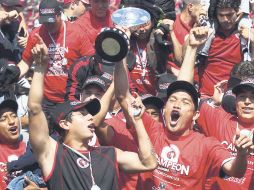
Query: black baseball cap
[[95, 80], [164, 81], [247, 83], [150, 99], [106, 68], [186, 87], [62, 110], [9, 103], [48, 10]]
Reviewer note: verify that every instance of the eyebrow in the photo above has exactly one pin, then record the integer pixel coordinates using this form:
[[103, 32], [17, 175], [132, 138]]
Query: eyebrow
[[186, 99]]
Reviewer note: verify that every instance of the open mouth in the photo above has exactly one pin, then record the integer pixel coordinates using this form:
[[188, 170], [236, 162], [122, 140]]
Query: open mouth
[[247, 110], [91, 127], [174, 117], [13, 130]]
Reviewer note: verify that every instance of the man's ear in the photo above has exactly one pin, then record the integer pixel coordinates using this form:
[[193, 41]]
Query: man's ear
[[196, 115], [64, 124]]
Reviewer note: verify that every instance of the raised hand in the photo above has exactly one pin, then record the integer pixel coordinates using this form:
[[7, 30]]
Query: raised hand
[[165, 26], [22, 41], [40, 52], [247, 33], [135, 107], [219, 90], [198, 36], [243, 143], [12, 15]]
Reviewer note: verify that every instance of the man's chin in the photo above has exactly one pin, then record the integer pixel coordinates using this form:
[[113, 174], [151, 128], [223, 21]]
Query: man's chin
[[11, 140]]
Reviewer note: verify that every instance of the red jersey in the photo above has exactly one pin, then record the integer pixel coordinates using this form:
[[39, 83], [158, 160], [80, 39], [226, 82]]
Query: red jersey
[[91, 25], [184, 161], [143, 76], [124, 140], [222, 125], [9, 153], [63, 51], [224, 53]]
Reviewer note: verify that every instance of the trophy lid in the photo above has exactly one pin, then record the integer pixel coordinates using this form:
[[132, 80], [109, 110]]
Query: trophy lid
[[131, 16]]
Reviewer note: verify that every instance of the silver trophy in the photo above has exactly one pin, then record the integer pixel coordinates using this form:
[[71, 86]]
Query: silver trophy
[[112, 44]]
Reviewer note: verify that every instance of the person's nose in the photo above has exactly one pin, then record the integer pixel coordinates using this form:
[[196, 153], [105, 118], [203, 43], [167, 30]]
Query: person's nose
[[224, 19], [11, 120], [177, 105], [247, 101]]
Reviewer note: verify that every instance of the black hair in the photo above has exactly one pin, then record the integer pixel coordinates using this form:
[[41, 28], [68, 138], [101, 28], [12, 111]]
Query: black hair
[[68, 117], [60, 130], [228, 4], [214, 4]]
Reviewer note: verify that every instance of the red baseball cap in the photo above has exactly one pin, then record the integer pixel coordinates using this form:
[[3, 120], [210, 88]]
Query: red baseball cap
[[69, 1]]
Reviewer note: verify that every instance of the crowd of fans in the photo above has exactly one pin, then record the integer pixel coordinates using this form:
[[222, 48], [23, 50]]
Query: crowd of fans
[[176, 113]]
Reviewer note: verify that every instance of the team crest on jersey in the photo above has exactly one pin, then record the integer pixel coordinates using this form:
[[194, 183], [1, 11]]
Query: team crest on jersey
[[82, 163], [169, 161], [170, 153]]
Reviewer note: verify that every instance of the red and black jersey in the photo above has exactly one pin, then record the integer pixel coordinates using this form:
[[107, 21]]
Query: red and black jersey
[[77, 75], [80, 71], [224, 54], [71, 171]]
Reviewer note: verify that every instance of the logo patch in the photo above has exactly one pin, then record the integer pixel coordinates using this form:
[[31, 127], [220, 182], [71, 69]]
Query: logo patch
[[82, 163]]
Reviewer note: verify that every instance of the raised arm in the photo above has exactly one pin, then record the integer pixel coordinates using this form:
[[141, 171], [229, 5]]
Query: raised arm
[[244, 146], [248, 34], [42, 144], [168, 27], [105, 104], [23, 67], [122, 92], [145, 160], [197, 37], [103, 131]]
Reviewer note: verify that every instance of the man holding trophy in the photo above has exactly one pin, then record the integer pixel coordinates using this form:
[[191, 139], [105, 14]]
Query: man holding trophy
[[144, 57]]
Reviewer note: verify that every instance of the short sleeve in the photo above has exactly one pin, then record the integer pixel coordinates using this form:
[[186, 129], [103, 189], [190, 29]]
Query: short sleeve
[[210, 119], [217, 156]]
